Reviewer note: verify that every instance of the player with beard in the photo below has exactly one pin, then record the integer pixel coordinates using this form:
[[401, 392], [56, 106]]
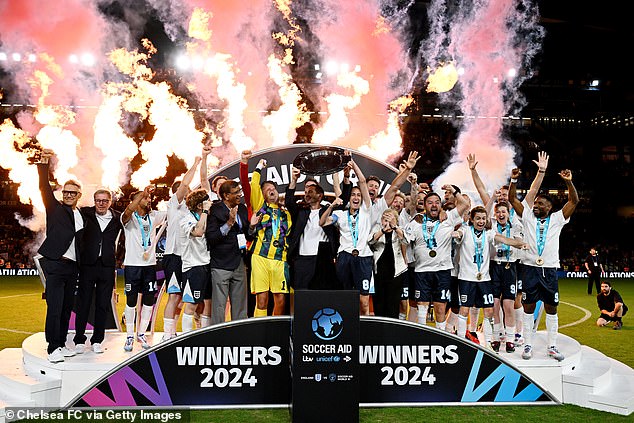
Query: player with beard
[[501, 196], [270, 224], [475, 286], [354, 259], [542, 229], [140, 224], [312, 249], [431, 240], [611, 305]]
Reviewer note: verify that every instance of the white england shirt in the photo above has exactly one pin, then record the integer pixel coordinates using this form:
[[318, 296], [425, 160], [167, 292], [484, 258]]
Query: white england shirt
[[442, 260], [134, 235], [195, 252], [468, 268], [550, 254], [364, 226], [174, 241]]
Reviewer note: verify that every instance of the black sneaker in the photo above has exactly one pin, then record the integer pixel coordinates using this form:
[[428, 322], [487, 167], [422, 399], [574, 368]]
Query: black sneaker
[[617, 326], [510, 347], [495, 345]]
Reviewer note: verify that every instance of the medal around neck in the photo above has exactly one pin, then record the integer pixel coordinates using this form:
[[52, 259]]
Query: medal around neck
[[479, 276], [539, 261], [321, 160], [355, 252], [432, 253]]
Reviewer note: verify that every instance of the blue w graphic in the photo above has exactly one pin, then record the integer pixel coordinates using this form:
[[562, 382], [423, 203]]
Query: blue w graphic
[[506, 392]]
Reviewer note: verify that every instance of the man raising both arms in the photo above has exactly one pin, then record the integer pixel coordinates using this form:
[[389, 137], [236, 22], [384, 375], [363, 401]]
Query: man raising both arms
[[542, 229]]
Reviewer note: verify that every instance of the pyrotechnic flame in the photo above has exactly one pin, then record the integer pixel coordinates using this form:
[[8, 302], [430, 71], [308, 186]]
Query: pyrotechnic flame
[[175, 129], [337, 124], [16, 162], [388, 142], [292, 114], [220, 67], [442, 79], [381, 27]]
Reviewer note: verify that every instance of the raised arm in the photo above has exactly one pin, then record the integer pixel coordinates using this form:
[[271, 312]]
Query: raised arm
[[326, 219], [244, 178], [462, 204], [413, 194], [48, 198], [183, 188], [347, 189], [573, 197], [204, 177], [479, 185], [401, 177], [542, 164], [513, 200], [127, 213], [363, 184]]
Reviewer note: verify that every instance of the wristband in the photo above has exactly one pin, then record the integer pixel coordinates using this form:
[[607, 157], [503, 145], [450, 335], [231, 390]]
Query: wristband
[[541, 171], [513, 180], [205, 211]]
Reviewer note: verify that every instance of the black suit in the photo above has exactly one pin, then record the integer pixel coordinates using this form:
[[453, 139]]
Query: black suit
[[228, 274], [97, 272], [60, 272], [313, 272]]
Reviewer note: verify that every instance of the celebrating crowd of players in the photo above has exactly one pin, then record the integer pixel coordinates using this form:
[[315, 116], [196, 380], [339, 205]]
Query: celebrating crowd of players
[[405, 252]]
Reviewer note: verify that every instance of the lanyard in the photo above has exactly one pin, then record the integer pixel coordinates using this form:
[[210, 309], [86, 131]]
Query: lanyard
[[505, 248], [479, 247], [541, 229], [275, 222], [354, 230], [430, 239], [145, 237], [196, 216]]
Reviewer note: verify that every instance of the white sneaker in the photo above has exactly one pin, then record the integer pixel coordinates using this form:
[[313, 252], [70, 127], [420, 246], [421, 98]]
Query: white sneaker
[[553, 352], [56, 356], [143, 341], [129, 343], [527, 354], [80, 348], [67, 353], [96, 348]]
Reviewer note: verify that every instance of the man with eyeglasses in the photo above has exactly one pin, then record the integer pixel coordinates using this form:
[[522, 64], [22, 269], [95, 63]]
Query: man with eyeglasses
[[97, 271], [60, 257], [227, 233]]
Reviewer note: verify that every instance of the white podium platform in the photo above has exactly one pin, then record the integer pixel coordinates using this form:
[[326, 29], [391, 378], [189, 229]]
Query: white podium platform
[[585, 377]]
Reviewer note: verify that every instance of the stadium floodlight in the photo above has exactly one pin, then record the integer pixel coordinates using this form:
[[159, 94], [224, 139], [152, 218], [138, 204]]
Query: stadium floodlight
[[332, 67], [3, 56], [594, 83], [73, 58], [511, 73], [357, 68], [318, 75], [317, 67], [460, 71], [183, 62], [16, 57], [87, 59], [32, 58]]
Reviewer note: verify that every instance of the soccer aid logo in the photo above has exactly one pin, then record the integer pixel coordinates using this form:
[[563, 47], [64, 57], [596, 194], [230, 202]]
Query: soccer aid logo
[[327, 324]]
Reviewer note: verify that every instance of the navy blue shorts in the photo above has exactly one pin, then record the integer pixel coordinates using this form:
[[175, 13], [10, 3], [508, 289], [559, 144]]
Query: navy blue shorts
[[355, 272], [504, 280], [433, 286], [173, 268], [195, 285], [478, 294], [140, 279], [540, 283]]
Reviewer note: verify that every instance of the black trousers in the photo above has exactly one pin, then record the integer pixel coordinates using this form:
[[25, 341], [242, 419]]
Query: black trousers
[[97, 280], [316, 272], [387, 293], [61, 280], [594, 278]]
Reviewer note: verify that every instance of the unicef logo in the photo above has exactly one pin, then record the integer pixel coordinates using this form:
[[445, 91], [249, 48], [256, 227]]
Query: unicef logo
[[327, 324]]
